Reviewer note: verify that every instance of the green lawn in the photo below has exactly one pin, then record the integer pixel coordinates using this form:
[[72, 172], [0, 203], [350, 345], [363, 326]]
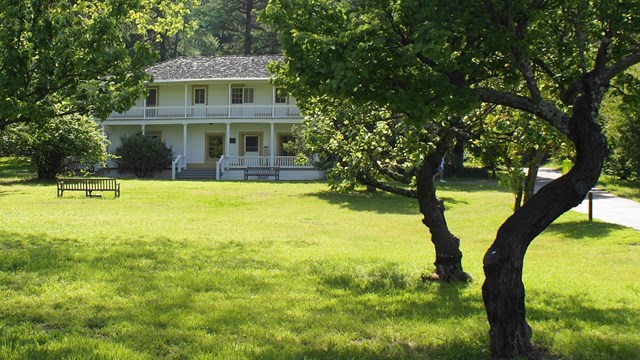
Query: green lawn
[[277, 270], [625, 188]]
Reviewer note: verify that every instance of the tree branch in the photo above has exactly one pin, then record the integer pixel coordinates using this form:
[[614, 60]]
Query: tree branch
[[527, 74], [622, 65], [388, 188], [543, 66], [554, 116], [394, 175], [603, 50]]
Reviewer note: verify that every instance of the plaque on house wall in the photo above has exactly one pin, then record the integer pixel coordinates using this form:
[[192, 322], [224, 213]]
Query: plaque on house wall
[[232, 140]]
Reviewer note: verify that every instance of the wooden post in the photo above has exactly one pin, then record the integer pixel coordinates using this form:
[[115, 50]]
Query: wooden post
[[590, 206]]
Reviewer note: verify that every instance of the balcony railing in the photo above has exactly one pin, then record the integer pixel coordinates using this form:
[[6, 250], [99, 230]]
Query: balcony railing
[[208, 112]]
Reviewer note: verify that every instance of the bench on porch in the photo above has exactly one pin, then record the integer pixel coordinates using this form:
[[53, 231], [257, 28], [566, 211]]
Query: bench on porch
[[262, 171], [88, 185]]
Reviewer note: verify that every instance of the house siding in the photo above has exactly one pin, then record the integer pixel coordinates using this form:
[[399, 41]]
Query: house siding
[[185, 127]]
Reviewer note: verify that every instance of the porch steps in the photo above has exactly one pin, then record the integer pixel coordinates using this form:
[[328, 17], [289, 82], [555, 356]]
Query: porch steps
[[196, 174]]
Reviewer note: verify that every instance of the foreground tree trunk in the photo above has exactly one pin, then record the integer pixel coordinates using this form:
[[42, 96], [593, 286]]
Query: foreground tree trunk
[[503, 291], [448, 264]]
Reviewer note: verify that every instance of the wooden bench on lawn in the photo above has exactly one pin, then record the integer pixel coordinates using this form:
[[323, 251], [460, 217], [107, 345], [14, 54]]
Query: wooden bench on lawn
[[88, 185], [260, 171]]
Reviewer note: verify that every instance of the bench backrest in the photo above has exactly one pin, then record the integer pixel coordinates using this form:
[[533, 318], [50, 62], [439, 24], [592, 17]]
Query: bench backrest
[[88, 183]]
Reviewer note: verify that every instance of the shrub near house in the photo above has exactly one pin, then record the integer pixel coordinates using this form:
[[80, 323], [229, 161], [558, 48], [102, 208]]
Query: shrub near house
[[141, 155]]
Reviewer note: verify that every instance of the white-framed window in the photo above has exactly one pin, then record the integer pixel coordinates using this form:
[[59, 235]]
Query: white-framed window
[[251, 143], [152, 97], [242, 95], [281, 96], [155, 135], [200, 96]]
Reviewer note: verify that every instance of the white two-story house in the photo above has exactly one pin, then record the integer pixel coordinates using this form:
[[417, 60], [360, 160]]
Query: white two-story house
[[220, 115]]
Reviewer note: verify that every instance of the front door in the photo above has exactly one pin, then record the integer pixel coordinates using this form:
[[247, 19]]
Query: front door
[[215, 149], [251, 148]]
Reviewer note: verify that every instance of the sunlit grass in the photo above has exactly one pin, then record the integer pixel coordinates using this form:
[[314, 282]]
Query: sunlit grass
[[628, 189], [246, 270]]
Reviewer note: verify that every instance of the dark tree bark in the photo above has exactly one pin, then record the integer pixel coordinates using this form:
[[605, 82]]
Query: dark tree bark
[[503, 291], [448, 264], [456, 158], [248, 27]]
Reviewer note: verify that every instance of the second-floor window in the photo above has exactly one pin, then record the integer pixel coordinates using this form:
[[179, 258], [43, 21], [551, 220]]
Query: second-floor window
[[152, 98], [199, 96], [242, 95], [281, 96]]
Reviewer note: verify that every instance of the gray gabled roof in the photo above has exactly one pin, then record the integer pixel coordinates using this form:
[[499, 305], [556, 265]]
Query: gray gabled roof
[[211, 68]]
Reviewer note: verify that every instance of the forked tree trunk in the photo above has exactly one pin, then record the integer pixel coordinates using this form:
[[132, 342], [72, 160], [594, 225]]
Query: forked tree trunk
[[503, 291], [448, 264]]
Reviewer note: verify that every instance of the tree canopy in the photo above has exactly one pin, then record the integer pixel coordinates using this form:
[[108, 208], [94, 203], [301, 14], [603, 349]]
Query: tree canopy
[[368, 144], [551, 59], [83, 57]]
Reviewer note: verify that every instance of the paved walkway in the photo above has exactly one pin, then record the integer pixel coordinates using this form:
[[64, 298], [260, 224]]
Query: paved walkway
[[606, 207]]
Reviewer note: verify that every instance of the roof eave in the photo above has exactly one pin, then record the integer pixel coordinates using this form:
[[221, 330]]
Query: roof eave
[[225, 80]]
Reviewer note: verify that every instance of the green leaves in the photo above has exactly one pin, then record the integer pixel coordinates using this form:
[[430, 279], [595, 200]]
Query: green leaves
[[359, 142], [85, 57], [141, 155]]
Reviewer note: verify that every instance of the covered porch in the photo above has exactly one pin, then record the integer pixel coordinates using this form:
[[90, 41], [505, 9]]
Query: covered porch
[[215, 149]]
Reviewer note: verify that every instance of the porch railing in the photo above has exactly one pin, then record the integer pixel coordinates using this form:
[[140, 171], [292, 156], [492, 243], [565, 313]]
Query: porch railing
[[208, 112], [177, 165], [260, 161], [220, 167]]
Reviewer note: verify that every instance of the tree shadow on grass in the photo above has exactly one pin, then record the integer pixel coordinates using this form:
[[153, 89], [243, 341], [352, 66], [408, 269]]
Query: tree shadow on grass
[[137, 293], [470, 185], [378, 202], [26, 182], [594, 330], [370, 349], [387, 203], [582, 229], [403, 294]]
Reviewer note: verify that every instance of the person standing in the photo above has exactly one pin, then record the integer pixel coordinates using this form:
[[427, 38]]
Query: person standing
[[440, 171]]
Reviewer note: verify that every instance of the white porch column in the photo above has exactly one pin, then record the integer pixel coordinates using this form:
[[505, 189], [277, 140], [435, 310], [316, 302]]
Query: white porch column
[[273, 101], [227, 140], [272, 144], [186, 99], [144, 129], [229, 101], [184, 142]]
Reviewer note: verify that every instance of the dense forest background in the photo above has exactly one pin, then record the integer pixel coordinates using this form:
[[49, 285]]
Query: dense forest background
[[220, 27]]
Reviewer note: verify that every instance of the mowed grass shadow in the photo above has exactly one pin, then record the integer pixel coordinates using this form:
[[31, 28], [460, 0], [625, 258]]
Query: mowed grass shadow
[[582, 229], [368, 349], [378, 202], [402, 294], [592, 329], [146, 296], [387, 203], [157, 298]]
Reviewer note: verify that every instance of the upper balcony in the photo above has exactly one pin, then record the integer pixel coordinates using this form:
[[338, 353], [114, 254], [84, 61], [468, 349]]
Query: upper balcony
[[208, 112]]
